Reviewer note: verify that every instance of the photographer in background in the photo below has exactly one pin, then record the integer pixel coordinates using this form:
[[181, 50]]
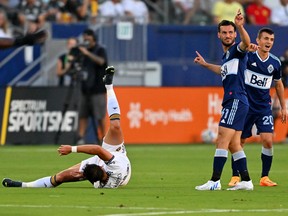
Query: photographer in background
[[64, 64], [93, 99]]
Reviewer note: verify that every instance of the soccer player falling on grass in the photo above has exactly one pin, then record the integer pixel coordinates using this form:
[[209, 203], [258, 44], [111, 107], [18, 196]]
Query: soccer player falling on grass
[[262, 68], [108, 168], [235, 103]]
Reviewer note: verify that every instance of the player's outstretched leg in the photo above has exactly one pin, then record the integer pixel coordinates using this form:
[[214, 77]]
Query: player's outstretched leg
[[114, 134], [44, 182]]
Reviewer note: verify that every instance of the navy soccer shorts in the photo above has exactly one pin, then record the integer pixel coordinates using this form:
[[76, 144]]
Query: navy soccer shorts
[[233, 114], [264, 123]]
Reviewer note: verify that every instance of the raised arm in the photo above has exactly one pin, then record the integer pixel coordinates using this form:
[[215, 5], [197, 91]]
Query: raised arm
[[212, 67], [245, 38], [87, 149]]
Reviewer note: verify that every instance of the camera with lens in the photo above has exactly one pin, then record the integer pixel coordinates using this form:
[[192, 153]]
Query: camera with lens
[[75, 52], [76, 63]]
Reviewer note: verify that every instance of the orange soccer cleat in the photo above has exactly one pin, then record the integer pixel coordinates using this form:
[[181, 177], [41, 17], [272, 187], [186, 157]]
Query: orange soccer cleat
[[265, 181], [234, 180]]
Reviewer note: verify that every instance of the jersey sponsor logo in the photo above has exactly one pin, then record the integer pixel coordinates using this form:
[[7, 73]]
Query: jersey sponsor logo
[[229, 67], [257, 80], [254, 64]]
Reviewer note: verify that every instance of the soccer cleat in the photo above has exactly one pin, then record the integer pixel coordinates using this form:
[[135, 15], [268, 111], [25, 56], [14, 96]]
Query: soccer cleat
[[243, 185], [210, 185], [10, 183], [108, 77], [265, 181], [234, 180]]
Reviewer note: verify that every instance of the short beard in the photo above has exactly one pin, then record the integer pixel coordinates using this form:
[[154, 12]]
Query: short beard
[[228, 44]]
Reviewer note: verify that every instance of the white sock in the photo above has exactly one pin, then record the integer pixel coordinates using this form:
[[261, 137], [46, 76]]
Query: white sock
[[112, 102], [39, 183]]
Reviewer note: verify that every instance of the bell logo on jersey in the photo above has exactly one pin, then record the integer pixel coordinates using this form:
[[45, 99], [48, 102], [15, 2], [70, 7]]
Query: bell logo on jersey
[[257, 80]]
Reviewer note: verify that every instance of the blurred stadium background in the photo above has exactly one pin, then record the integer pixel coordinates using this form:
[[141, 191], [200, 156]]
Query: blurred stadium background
[[164, 96]]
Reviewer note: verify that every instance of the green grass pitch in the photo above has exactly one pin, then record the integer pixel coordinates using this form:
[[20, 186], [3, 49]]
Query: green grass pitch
[[162, 183]]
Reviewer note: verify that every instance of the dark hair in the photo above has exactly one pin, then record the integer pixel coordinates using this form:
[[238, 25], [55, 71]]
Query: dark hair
[[90, 32], [93, 173], [265, 29], [226, 23]]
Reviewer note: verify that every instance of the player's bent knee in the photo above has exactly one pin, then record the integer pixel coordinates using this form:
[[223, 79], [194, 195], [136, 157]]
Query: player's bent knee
[[115, 125]]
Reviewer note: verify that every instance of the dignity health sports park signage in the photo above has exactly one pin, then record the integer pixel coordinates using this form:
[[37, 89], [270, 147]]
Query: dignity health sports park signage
[[173, 115], [149, 115], [39, 115]]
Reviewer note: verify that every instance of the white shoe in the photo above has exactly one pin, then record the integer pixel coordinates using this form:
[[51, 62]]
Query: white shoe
[[210, 185], [243, 185], [80, 142]]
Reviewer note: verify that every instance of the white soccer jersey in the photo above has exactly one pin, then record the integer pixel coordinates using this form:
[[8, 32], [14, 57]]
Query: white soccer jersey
[[118, 168]]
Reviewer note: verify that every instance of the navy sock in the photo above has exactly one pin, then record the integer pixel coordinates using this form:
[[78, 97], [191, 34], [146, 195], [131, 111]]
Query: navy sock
[[266, 164]]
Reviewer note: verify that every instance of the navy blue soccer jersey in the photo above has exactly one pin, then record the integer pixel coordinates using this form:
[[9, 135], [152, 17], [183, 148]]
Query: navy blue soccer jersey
[[258, 79], [234, 63]]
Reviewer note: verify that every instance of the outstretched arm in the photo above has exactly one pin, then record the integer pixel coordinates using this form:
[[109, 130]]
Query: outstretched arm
[[87, 149], [213, 67], [245, 38]]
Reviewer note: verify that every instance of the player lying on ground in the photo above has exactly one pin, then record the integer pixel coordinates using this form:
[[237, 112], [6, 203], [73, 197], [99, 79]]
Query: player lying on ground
[[108, 168]]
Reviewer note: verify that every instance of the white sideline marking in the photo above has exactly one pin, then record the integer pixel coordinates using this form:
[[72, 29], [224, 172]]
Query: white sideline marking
[[203, 211], [167, 212], [82, 207]]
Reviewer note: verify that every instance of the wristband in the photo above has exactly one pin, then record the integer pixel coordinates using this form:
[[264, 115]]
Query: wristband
[[74, 149]]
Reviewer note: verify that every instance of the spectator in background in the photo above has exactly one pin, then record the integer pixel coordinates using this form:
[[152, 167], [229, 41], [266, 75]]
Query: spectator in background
[[64, 64], [68, 11], [225, 10], [186, 9], [52, 10], [5, 31], [279, 15], [257, 13], [136, 11], [152, 6], [12, 16], [111, 11], [28, 39], [31, 14], [284, 67]]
